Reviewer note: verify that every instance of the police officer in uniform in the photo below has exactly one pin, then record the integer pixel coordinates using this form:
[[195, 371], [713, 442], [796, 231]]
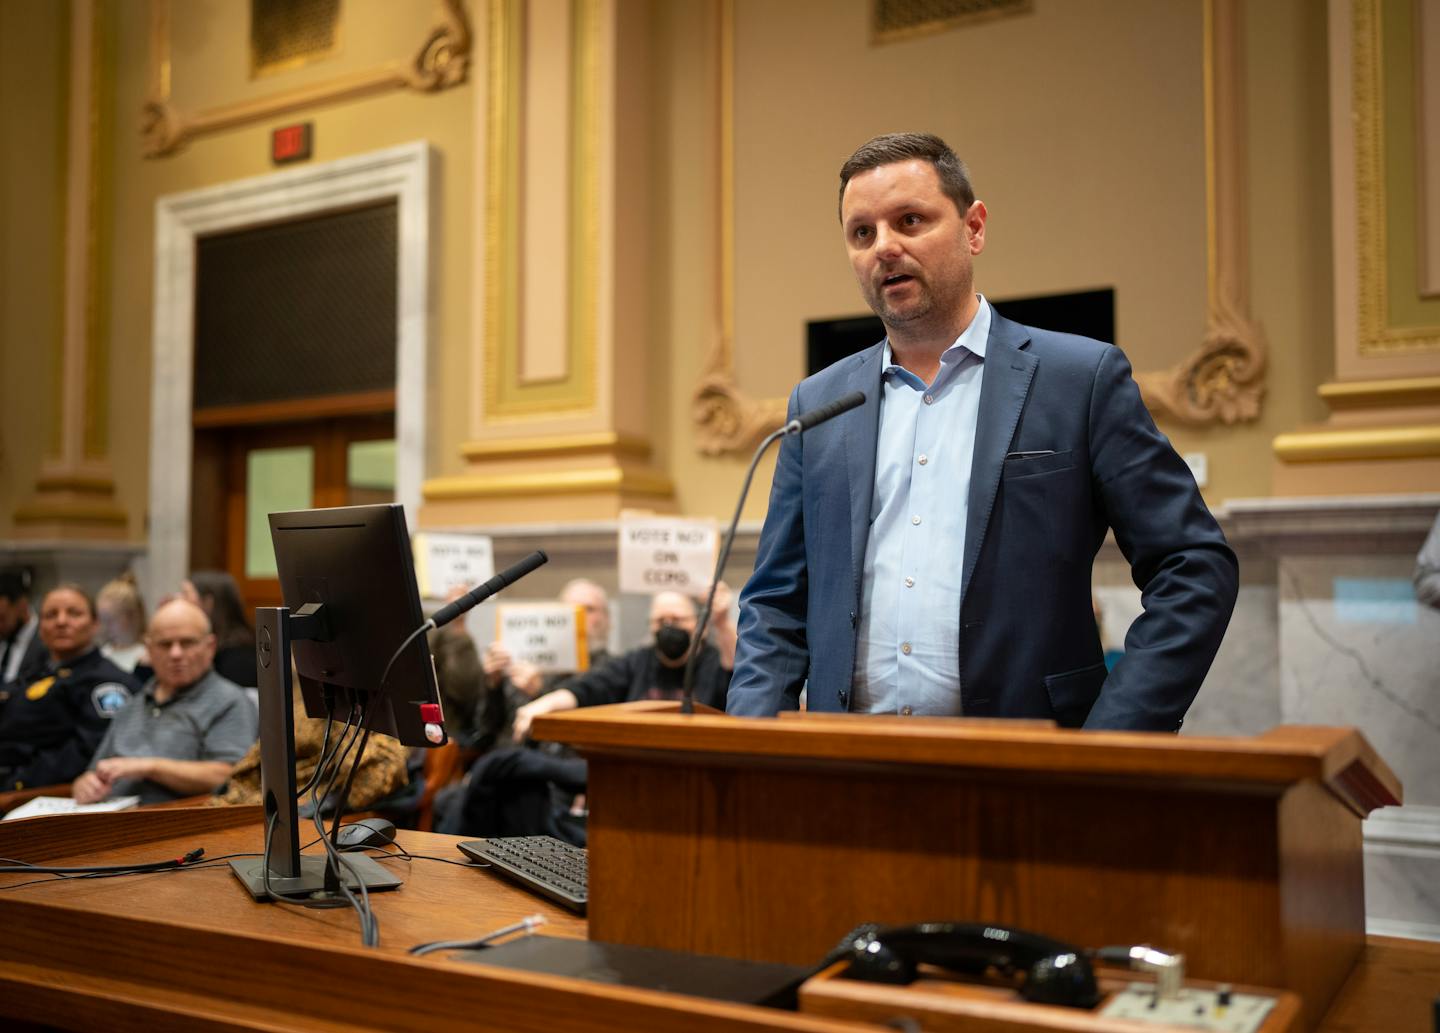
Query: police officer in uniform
[[51, 725]]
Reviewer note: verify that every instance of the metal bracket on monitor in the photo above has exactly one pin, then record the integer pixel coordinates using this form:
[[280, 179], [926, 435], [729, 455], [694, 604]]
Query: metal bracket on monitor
[[289, 873]]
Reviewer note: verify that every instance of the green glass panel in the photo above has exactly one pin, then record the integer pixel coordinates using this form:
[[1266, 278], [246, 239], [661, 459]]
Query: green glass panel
[[371, 464], [277, 479]]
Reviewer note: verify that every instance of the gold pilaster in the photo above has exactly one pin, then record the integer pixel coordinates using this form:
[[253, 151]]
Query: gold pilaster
[[74, 497], [560, 422], [1383, 431]]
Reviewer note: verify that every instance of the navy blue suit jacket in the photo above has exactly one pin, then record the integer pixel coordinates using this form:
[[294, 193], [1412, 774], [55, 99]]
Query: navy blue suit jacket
[[1093, 461]]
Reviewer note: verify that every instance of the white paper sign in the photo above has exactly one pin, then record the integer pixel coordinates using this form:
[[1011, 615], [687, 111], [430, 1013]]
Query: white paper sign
[[549, 635], [666, 554], [444, 562]]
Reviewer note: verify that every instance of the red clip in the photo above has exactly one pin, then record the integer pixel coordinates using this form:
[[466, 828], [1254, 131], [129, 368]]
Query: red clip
[[430, 713]]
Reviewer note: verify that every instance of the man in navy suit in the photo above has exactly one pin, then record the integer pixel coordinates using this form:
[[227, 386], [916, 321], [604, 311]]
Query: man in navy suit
[[930, 552]]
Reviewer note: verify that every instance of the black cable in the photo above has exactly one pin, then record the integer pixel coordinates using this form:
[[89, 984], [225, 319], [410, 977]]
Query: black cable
[[149, 866], [401, 854], [324, 745], [284, 898], [336, 865]]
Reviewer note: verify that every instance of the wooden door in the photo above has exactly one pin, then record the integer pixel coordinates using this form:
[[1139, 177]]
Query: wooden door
[[244, 472]]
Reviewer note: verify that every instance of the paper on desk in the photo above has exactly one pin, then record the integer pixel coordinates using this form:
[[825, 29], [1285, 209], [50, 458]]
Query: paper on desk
[[64, 805]]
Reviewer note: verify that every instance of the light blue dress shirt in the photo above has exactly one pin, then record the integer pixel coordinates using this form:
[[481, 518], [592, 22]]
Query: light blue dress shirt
[[907, 652]]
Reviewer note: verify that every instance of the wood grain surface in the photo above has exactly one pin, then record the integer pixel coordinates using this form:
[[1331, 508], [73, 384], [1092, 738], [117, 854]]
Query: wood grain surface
[[1338, 757], [188, 949], [770, 839]]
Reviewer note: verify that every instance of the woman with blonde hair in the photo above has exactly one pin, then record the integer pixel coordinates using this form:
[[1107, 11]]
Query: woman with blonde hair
[[122, 622]]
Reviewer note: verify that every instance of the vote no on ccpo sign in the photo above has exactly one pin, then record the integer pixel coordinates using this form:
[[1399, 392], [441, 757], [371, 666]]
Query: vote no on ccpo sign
[[666, 553]]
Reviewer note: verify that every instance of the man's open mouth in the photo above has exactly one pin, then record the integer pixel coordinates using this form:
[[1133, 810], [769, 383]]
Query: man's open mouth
[[898, 278]]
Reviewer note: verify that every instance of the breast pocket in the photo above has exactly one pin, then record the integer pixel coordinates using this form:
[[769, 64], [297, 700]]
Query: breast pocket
[[1022, 464]]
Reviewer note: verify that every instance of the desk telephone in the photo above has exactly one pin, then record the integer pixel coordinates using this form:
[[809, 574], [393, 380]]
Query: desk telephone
[[1049, 972], [1046, 971]]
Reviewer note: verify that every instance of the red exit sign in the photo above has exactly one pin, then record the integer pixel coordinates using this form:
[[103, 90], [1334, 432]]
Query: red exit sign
[[291, 143]]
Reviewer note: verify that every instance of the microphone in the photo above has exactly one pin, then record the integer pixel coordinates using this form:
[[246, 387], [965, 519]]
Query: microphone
[[799, 425], [470, 599], [806, 420]]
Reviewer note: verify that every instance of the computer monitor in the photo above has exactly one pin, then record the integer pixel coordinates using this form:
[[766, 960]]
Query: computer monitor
[[348, 581], [356, 562]]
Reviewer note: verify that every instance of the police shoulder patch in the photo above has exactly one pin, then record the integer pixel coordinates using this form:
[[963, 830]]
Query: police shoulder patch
[[109, 698]]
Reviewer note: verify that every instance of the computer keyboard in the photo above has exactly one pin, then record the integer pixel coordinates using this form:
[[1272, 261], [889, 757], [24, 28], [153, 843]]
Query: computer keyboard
[[542, 864]]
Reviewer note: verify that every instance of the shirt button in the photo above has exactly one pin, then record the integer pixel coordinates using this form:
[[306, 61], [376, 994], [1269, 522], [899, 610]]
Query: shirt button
[[923, 459], [929, 399], [909, 582], [905, 648], [915, 520], [907, 711]]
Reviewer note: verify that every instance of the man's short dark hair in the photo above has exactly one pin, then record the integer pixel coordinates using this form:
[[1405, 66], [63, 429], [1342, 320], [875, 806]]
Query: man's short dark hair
[[15, 584], [893, 147]]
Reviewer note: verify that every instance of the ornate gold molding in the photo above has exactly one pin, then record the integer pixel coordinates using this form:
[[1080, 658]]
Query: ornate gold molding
[[1379, 394], [441, 61], [726, 420], [556, 445], [1404, 442], [1224, 380], [1376, 336], [559, 482]]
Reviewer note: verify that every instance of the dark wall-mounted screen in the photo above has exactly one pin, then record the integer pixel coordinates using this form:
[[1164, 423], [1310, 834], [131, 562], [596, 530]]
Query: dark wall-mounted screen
[[1088, 313]]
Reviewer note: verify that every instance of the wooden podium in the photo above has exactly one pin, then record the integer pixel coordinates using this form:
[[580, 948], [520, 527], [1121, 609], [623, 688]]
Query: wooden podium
[[770, 839]]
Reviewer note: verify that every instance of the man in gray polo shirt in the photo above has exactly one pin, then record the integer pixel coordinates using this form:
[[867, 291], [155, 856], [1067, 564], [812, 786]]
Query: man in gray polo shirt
[[183, 733]]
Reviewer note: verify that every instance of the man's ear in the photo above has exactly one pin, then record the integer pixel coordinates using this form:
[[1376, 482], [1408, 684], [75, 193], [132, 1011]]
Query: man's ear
[[975, 217]]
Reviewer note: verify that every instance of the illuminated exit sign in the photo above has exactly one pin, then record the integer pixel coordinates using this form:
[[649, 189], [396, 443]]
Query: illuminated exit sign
[[291, 143]]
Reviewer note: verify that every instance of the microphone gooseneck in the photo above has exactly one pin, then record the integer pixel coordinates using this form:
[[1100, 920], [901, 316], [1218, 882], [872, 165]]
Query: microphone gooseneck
[[801, 423]]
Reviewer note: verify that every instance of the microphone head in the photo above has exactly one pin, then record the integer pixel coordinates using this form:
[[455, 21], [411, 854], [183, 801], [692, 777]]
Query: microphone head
[[829, 410]]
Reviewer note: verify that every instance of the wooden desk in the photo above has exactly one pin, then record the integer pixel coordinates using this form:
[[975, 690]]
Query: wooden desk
[[189, 949], [769, 839]]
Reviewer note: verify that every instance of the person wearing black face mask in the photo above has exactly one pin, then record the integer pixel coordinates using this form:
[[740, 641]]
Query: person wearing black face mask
[[655, 671]]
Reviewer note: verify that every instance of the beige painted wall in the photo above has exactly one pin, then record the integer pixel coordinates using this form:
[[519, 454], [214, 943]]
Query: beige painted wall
[[1083, 126], [1082, 123]]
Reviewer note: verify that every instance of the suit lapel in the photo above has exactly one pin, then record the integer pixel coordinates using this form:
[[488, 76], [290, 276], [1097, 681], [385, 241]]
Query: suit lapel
[[862, 431], [1009, 368]]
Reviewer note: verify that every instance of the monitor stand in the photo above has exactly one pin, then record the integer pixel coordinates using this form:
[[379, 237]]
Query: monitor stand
[[290, 873]]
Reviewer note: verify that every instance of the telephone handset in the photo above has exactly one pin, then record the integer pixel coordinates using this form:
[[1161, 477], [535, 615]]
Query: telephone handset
[[1050, 972]]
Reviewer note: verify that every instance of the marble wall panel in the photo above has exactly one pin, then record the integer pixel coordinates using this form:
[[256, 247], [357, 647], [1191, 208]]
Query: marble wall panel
[[1355, 651]]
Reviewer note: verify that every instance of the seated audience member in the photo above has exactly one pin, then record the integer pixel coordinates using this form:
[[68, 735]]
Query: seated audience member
[[184, 731], [654, 671], [217, 594], [50, 726], [520, 792], [22, 655], [122, 622]]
